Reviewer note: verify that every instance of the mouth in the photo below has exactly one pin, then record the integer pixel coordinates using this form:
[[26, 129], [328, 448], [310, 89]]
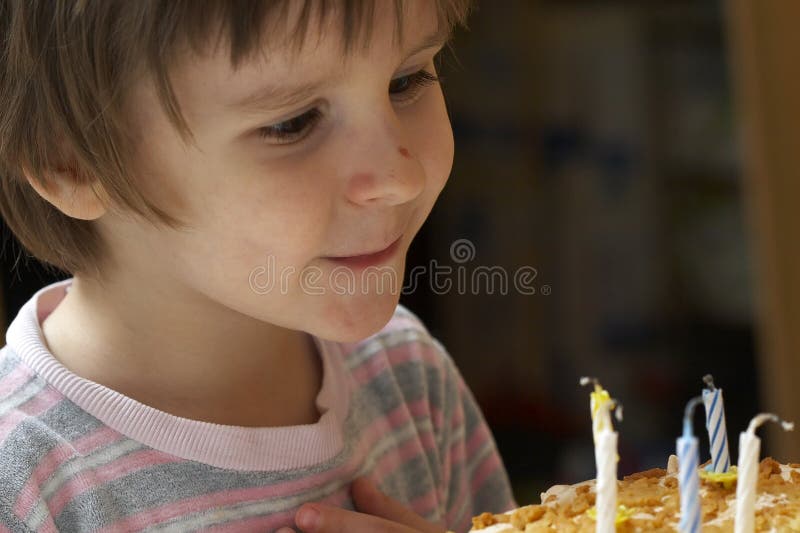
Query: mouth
[[368, 259]]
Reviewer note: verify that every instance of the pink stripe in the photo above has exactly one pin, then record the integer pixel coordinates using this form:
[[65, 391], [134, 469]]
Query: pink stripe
[[465, 524], [455, 463], [84, 445], [419, 408], [381, 427], [99, 438], [423, 409], [457, 418], [427, 504], [412, 448], [460, 450], [256, 523], [15, 379], [455, 511], [41, 402], [29, 495], [392, 462], [457, 454], [375, 365], [93, 478], [352, 349], [10, 421], [478, 439], [276, 520], [200, 503], [396, 323], [437, 415], [489, 465], [48, 526], [447, 467]]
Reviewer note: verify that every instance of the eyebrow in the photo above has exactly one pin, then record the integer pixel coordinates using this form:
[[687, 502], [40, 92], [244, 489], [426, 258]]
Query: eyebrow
[[279, 96]]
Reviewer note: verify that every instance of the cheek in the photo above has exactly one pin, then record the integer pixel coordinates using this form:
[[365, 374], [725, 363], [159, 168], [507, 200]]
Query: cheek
[[433, 140], [286, 208]]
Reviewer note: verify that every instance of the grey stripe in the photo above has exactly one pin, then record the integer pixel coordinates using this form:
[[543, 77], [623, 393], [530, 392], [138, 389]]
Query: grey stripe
[[33, 387], [70, 469], [274, 505]]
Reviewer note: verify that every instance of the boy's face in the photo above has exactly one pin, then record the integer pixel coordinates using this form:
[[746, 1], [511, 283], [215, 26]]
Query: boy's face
[[363, 163]]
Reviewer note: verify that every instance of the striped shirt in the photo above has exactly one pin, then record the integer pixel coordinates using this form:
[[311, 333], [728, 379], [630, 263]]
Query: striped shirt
[[78, 456]]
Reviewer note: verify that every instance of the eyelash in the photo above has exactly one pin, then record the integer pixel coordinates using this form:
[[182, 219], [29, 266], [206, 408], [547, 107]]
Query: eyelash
[[415, 82]]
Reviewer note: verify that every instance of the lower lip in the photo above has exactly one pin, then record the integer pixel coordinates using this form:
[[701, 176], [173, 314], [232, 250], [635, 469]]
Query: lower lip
[[358, 262]]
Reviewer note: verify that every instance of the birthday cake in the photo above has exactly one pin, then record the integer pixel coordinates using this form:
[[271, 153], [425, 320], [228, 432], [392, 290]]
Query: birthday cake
[[650, 501], [685, 496]]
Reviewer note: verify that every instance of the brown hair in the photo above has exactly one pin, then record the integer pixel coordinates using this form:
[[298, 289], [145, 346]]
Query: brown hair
[[65, 68]]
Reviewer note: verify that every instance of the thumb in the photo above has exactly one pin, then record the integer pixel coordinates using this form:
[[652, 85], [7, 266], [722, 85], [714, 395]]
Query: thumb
[[370, 500]]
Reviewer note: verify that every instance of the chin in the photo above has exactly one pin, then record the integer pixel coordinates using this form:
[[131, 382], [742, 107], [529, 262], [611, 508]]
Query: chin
[[356, 319]]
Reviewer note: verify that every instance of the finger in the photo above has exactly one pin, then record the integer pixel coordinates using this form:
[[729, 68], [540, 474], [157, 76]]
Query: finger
[[330, 519], [285, 530], [369, 499]]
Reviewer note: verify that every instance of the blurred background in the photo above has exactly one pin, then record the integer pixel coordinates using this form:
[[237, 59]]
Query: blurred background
[[621, 206]]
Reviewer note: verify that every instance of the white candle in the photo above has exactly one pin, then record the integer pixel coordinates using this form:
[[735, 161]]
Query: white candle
[[747, 482], [606, 502], [605, 455]]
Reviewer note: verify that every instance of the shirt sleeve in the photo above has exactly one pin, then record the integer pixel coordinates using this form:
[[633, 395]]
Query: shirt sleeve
[[474, 477]]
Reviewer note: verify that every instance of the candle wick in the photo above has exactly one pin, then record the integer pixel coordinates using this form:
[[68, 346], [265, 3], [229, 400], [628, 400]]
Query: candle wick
[[688, 415], [760, 419], [588, 380], [708, 379]]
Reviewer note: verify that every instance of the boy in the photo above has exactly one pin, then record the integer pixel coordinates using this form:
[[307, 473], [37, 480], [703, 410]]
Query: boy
[[209, 172]]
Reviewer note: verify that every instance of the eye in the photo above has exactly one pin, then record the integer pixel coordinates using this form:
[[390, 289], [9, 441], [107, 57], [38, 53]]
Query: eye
[[291, 130], [404, 90]]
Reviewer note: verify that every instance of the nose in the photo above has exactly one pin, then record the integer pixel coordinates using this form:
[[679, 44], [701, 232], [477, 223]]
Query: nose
[[385, 170]]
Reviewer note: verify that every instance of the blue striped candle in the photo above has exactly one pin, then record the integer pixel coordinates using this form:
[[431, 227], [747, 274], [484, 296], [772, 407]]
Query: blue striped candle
[[715, 424], [688, 479]]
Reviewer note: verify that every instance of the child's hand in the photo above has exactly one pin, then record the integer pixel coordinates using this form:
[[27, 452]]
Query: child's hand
[[378, 514]]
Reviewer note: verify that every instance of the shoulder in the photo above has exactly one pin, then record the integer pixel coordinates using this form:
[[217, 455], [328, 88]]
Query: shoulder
[[405, 323], [404, 363], [35, 418], [18, 382], [403, 340], [34, 444]]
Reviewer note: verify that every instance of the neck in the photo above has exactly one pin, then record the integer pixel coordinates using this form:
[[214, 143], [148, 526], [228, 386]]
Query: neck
[[178, 351]]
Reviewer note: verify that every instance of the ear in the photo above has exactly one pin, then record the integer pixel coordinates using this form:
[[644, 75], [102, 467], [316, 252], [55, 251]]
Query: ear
[[70, 195]]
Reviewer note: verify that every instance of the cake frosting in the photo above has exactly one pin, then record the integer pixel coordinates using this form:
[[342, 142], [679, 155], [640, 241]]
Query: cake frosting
[[649, 501]]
